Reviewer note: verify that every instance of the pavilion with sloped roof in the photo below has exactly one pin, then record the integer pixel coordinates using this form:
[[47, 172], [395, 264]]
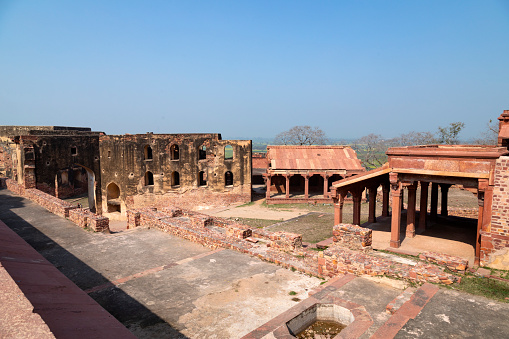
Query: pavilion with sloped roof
[[305, 173]]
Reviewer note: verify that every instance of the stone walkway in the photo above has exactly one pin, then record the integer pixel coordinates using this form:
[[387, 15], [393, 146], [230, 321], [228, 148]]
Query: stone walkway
[[160, 286]]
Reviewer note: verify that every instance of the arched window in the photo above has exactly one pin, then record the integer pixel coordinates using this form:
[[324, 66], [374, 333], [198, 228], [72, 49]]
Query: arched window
[[228, 152], [202, 178], [228, 179], [202, 152], [175, 179], [149, 178], [174, 151], [148, 152]]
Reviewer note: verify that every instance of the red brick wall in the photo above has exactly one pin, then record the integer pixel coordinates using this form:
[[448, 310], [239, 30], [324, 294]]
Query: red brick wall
[[495, 240]]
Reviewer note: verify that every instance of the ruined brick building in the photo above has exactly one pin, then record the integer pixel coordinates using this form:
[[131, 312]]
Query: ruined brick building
[[127, 171]]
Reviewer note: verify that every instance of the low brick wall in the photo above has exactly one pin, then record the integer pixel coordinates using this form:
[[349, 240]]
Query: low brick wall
[[99, 223], [49, 202], [352, 236], [185, 228], [81, 217], [13, 186], [455, 264], [339, 260]]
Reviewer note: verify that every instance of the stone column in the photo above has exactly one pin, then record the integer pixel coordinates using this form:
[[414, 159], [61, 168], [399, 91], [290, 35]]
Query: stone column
[[372, 204], [396, 210], [325, 186], [445, 190], [338, 209], [357, 200], [434, 202], [385, 200], [306, 186], [423, 210], [410, 213], [402, 198], [287, 187], [267, 194], [485, 200], [480, 217]]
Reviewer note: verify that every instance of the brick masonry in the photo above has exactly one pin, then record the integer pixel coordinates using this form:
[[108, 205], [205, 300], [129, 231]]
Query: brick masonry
[[495, 239], [454, 264], [81, 217], [339, 260], [353, 236]]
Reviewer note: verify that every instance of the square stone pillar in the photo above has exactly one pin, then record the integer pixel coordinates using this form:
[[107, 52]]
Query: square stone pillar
[[357, 200], [410, 214], [267, 194], [306, 186], [385, 200], [444, 188], [325, 186], [423, 210], [338, 209], [287, 187], [396, 214], [480, 200], [434, 202], [372, 204]]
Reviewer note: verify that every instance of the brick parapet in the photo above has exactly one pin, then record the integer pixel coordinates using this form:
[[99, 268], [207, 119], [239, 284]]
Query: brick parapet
[[353, 236]]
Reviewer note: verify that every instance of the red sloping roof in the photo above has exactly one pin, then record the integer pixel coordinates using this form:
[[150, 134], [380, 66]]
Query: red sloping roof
[[313, 158]]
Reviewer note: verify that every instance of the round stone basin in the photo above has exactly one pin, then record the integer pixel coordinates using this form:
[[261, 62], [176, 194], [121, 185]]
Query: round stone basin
[[326, 313]]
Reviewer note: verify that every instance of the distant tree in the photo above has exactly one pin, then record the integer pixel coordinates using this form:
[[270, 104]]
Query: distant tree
[[371, 150], [490, 135], [449, 135], [301, 135], [415, 138]]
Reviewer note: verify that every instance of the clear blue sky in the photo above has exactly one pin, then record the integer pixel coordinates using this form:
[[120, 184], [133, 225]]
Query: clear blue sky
[[254, 68]]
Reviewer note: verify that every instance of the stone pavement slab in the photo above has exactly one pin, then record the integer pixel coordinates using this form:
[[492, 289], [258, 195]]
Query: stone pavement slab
[[165, 287]]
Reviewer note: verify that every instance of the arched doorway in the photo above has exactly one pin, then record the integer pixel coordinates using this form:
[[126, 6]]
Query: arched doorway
[[75, 180], [112, 197]]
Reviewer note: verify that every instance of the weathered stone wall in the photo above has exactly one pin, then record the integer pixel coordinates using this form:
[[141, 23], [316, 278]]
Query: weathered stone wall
[[126, 163], [495, 240]]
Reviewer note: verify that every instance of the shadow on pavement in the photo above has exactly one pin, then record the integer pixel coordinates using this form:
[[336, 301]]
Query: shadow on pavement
[[136, 317]]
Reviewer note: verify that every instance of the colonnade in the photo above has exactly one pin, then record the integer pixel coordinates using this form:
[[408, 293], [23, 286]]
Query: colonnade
[[306, 177]]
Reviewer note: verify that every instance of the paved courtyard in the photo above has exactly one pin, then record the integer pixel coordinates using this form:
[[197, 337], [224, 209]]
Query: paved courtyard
[[160, 286]]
